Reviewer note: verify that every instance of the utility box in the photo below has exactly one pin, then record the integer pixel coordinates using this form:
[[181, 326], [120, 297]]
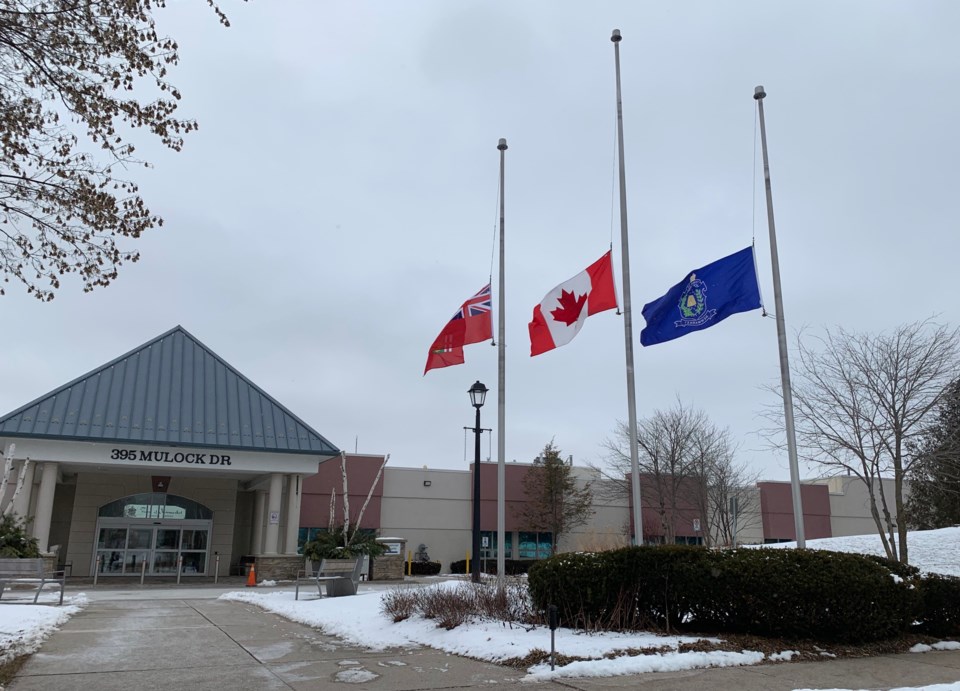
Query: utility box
[[391, 565]]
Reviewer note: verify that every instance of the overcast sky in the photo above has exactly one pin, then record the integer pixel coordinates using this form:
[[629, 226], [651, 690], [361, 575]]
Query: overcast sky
[[338, 204]]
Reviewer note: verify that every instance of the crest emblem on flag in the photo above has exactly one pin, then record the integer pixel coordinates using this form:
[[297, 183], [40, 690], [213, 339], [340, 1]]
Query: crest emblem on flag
[[693, 304]]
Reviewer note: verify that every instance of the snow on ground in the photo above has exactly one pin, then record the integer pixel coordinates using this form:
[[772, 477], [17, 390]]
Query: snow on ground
[[24, 627], [359, 620]]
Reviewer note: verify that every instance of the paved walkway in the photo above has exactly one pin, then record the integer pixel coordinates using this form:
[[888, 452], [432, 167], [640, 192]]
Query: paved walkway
[[166, 639]]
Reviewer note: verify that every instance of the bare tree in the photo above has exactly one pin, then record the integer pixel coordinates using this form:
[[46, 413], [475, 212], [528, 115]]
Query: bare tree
[[555, 502], [685, 460], [860, 402], [69, 66]]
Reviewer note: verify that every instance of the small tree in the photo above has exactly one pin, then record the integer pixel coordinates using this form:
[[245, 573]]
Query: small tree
[[935, 483], [555, 502], [341, 539], [68, 70]]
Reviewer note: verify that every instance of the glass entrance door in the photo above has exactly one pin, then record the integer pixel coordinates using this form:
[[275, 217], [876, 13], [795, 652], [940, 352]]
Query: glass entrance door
[[122, 549], [153, 532]]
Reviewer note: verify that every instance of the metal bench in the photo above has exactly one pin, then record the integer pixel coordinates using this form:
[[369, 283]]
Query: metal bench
[[341, 577], [29, 572]]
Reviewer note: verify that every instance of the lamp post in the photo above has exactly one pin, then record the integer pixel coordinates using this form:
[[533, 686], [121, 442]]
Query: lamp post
[[478, 393]]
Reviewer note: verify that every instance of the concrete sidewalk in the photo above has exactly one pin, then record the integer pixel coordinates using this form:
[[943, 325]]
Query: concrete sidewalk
[[195, 642]]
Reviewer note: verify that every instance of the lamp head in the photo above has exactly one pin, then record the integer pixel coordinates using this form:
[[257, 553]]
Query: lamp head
[[478, 394]]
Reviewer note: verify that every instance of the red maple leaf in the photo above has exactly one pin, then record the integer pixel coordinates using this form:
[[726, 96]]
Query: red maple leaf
[[570, 307]]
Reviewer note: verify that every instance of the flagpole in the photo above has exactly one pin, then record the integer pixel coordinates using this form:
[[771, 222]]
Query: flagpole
[[759, 95], [627, 312], [501, 394]]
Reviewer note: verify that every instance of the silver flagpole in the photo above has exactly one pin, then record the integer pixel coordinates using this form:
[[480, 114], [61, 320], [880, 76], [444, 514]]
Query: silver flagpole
[[501, 395], [759, 95], [627, 312]]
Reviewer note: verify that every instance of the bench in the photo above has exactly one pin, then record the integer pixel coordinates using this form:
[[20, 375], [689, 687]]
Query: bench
[[341, 577], [29, 572]]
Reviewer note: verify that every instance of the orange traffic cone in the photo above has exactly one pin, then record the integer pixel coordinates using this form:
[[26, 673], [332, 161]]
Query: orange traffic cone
[[252, 576]]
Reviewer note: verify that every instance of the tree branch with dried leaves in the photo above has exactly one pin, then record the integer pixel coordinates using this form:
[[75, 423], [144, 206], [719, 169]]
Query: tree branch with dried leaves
[[69, 70]]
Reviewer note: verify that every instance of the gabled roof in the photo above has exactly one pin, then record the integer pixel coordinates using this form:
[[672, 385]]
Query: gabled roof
[[171, 390]]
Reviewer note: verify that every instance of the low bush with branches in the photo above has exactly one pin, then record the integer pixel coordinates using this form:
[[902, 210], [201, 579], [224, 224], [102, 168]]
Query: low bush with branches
[[452, 606]]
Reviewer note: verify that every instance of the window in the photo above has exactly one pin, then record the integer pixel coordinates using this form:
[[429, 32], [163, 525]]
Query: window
[[535, 545], [156, 505]]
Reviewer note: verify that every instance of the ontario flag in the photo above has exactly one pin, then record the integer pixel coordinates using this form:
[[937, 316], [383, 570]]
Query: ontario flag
[[560, 315], [471, 324]]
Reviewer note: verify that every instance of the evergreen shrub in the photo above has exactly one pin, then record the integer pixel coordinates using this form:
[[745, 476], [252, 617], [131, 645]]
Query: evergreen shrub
[[512, 567], [809, 594], [330, 544], [424, 568], [623, 590], [14, 540], [771, 592], [939, 606]]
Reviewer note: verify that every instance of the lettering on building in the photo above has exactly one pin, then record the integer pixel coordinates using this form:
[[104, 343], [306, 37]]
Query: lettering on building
[[192, 458]]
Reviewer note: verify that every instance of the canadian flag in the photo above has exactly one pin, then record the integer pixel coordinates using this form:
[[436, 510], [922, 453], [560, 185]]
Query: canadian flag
[[559, 316]]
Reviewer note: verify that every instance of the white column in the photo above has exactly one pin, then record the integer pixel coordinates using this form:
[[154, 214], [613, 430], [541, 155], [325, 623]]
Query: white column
[[274, 501], [21, 506], [294, 487], [259, 505], [41, 523]]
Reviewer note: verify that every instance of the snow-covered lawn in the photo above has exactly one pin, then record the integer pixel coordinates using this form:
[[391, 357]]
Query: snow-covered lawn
[[24, 627], [360, 620]]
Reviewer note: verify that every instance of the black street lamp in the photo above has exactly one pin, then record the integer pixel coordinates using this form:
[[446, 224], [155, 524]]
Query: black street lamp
[[478, 393]]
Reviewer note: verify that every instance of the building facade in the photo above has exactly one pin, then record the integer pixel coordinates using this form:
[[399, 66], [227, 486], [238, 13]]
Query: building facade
[[163, 461], [168, 461]]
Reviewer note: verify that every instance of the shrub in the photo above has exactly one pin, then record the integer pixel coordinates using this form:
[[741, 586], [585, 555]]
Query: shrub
[[512, 567], [328, 544], [772, 592], [424, 568], [939, 605], [399, 604], [816, 594], [624, 590], [450, 607], [14, 540]]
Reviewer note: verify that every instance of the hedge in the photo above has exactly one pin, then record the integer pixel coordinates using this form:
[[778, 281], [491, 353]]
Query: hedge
[[800, 594], [424, 568], [512, 567], [939, 606]]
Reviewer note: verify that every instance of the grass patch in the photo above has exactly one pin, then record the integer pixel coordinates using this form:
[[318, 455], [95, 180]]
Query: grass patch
[[9, 669]]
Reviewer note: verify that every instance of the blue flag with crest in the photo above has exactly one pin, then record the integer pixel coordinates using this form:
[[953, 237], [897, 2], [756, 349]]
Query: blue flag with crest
[[705, 297]]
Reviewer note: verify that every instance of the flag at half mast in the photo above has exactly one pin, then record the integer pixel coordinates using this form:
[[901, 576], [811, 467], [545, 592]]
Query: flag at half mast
[[561, 313], [706, 296], [471, 324]]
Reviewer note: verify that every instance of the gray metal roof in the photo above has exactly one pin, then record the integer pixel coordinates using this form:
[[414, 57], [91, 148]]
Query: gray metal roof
[[171, 390]]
